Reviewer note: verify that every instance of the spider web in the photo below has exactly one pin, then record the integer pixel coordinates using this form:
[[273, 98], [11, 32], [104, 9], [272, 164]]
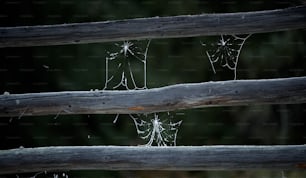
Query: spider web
[[226, 51], [119, 71], [153, 129], [120, 74]]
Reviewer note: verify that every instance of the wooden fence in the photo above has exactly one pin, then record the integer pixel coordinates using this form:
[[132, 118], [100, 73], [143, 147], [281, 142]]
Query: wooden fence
[[182, 96]]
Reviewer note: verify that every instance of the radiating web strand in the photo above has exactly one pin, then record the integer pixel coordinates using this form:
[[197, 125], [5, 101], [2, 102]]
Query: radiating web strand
[[116, 118], [244, 39], [211, 63]]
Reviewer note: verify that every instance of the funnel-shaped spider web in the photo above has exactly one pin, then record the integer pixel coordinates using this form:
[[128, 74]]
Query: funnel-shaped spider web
[[226, 51], [162, 132], [122, 74]]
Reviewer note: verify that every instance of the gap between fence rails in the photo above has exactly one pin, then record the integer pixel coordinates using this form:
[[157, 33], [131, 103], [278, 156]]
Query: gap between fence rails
[[169, 98], [155, 27]]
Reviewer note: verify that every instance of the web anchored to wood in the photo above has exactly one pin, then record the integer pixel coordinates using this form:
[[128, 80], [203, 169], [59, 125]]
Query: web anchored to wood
[[121, 67], [155, 129], [120, 74]]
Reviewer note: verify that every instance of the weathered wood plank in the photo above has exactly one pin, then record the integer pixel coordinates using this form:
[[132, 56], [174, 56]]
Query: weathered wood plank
[[175, 97], [156, 27], [152, 158]]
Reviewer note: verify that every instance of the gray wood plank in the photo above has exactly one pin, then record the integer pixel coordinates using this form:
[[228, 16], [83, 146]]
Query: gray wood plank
[[156, 27], [169, 98], [152, 158]]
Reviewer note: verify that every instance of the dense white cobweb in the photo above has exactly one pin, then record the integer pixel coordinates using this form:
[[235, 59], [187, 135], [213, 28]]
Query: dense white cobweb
[[120, 74], [155, 130], [119, 71], [226, 51]]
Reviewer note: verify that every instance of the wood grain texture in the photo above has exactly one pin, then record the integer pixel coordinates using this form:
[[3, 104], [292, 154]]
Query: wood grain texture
[[152, 158], [175, 97], [156, 27]]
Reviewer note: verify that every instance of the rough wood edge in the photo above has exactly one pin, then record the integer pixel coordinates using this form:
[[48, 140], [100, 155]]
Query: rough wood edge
[[155, 27]]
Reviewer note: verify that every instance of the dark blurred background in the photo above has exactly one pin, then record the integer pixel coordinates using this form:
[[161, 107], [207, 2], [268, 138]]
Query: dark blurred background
[[170, 61]]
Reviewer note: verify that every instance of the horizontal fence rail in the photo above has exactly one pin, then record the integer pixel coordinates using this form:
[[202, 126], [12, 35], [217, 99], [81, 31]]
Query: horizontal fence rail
[[175, 97], [152, 158], [155, 27]]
